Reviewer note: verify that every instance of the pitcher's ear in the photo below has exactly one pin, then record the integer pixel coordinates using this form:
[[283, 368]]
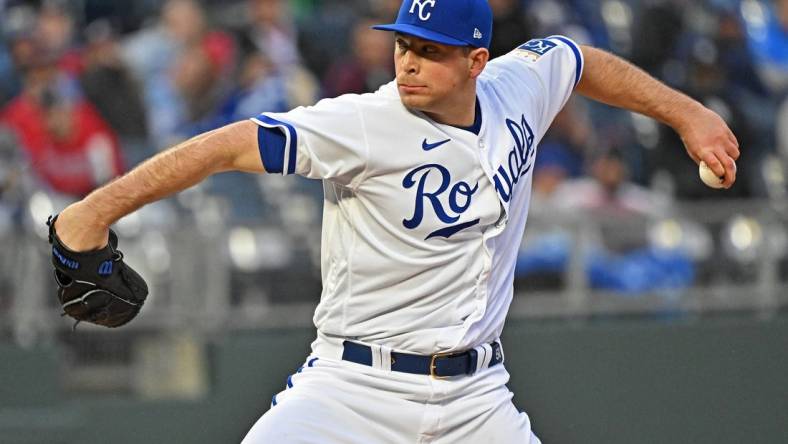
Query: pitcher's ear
[[477, 60]]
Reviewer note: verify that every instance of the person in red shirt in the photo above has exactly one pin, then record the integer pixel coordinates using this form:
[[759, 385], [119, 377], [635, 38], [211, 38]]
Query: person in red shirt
[[69, 146]]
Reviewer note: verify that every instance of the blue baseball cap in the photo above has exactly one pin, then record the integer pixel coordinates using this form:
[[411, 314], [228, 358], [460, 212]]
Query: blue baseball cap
[[451, 22]]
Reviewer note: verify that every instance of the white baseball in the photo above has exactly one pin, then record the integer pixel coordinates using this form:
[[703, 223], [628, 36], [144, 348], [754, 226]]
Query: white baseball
[[708, 176]]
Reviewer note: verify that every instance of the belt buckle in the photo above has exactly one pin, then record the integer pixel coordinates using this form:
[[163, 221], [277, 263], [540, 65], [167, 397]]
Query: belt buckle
[[433, 366]]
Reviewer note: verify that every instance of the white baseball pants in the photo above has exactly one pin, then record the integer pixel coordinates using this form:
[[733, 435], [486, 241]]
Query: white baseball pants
[[329, 401]]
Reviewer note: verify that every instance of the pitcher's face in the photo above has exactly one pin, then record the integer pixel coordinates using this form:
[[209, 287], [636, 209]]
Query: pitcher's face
[[429, 73]]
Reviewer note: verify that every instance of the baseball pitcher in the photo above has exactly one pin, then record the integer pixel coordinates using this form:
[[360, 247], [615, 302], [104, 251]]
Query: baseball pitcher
[[427, 184]]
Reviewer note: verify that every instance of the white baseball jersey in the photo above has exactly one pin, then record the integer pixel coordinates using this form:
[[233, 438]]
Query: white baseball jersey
[[422, 221]]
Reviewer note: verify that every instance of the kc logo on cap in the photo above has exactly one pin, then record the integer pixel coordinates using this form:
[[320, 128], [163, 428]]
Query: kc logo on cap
[[422, 4], [450, 22]]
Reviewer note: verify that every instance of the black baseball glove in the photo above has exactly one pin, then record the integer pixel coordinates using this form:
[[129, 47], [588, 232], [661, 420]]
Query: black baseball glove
[[96, 286]]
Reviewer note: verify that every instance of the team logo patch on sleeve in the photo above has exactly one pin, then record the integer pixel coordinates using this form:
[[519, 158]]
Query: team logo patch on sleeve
[[538, 46], [533, 49]]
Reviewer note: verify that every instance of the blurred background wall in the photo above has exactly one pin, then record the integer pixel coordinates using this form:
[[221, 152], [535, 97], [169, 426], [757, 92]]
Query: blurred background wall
[[648, 308]]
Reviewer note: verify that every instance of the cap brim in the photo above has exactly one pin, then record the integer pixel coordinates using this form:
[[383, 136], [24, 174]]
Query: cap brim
[[422, 33]]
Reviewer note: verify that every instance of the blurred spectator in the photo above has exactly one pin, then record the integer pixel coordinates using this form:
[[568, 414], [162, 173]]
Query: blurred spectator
[[150, 53], [367, 68], [6, 72], [511, 25], [194, 80], [273, 31], [603, 24], [258, 87], [608, 191], [734, 54], [767, 30], [69, 147], [782, 131], [744, 87], [548, 15], [187, 24], [108, 84], [205, 60], [326, 35], [12, 165], [562, 151], [618, 256], [6, 68], [183, 66], [126, 16], [18, 24], [663, 22], [56, 32]]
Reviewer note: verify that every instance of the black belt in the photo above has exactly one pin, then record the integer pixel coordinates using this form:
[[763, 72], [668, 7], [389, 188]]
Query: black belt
[[441, 365]]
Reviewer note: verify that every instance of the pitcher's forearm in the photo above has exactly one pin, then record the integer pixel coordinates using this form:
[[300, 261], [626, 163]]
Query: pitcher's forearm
[[706, 136], [166, 173], [84, 225], [174, 170], [614, 81]]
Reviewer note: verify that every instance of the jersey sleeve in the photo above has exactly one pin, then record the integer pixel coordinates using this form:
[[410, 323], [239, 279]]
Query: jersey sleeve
[[555, 66], [324, 141]]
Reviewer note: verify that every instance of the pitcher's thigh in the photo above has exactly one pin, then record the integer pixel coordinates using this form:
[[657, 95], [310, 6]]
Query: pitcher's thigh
[[488, 416], [320, 410], [300, 421]]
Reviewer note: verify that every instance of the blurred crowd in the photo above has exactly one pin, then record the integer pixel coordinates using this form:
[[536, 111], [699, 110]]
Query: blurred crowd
[[89, 88]]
